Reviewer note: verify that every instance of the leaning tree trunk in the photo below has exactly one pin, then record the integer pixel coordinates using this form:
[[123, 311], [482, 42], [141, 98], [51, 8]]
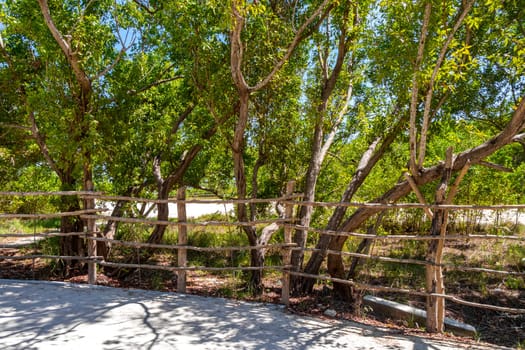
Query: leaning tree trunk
[[368, 160], [401, 189]]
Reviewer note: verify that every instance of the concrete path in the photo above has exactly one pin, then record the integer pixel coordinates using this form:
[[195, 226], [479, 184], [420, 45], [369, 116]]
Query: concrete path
[[52, 315]]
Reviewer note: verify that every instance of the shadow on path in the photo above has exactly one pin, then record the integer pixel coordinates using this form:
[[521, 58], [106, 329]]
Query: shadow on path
[[54, 315]]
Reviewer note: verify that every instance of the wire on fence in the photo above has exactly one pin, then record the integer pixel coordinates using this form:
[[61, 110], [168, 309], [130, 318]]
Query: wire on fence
[[201, 249], [45, 194], [191, 201], [189, 268], [50, 216], [56, 257], [178, 223], [406, 205], [400, 237], [44, 234], [411, 261]]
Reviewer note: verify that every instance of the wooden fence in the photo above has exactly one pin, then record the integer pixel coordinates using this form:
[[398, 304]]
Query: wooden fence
[[93, 217]]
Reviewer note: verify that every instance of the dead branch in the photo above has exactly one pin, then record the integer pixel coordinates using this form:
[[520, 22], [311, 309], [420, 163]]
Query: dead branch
[[495, 166]]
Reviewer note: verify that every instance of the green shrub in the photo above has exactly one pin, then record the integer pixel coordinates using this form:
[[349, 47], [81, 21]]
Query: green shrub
[[515, 256], [516, 283]]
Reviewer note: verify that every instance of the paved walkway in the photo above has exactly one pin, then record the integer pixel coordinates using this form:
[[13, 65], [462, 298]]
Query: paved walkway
[[52, 315]]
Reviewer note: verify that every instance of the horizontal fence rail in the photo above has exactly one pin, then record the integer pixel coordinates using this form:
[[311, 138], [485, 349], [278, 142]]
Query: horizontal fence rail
[[93, 218], [403, 237]]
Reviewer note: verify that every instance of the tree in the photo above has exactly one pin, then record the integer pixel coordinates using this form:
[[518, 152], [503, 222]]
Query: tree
[[58, 57], [334, 77], [244, 90]]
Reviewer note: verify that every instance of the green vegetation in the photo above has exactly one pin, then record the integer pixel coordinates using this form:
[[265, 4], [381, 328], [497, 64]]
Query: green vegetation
[[235, 98], [28, 226]]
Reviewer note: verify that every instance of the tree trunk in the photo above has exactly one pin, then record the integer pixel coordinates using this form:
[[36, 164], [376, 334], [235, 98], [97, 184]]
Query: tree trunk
[[110, 230], [163, 213], [72, 245], [257, 258], [305, 212], [364, 246], [369, 159], [320, 143]]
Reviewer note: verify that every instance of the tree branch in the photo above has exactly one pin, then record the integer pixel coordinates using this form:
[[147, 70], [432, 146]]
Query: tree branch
[[43, 146], [121, 53], [157, 174], [295, 42], [495, 166], [237, 50], [367, 162], [415, 91], [454, 188], [430, 92], [342, 50], [418, 193], [71, 56], [331, 135], [15, 126], [146, 7], [154, 84], [5, 53], [519, 138]]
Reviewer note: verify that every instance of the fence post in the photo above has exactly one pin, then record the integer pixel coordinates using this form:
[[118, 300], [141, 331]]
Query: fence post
[[435, 284], [91, 244], [287, 253], [434, 272], [183, 239]]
